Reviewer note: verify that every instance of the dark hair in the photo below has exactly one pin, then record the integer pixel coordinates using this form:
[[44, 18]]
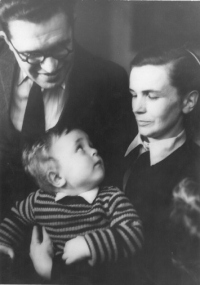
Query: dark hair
[[184, 74], [185, 228], [37, 161], [35, 11]]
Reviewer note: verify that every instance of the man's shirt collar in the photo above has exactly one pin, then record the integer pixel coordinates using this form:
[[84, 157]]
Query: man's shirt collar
[[23, 77], [89, 196], [159, 149]]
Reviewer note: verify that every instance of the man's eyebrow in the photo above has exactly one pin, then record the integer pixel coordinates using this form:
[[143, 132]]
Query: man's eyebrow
[[67, 41]]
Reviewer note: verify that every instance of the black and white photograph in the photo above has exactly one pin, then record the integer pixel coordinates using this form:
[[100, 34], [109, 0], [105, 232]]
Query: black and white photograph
[[99, 142]]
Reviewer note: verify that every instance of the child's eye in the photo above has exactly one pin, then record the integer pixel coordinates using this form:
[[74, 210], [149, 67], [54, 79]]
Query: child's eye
[[79, 148], [90, 144]]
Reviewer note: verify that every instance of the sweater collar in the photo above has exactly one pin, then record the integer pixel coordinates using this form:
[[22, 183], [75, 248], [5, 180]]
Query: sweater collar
[[88, 196]]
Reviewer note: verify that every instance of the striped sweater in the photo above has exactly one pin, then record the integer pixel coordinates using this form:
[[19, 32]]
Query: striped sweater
[[110, 225]]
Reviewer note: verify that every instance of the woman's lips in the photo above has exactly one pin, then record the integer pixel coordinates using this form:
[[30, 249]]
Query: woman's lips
[[143, 123]]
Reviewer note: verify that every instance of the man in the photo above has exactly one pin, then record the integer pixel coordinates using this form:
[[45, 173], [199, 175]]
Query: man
[[77, 89]]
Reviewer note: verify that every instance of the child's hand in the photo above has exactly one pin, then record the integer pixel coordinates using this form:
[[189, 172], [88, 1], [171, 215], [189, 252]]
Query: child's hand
[[75, 250], [7, 250]]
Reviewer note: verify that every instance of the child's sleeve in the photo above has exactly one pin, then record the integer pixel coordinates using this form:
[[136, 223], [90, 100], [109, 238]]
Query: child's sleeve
[[13, 227], [124, 236]]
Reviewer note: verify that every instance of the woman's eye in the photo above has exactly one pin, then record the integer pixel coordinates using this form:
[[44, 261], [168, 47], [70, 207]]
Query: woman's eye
[[134, 95], [152, 96]]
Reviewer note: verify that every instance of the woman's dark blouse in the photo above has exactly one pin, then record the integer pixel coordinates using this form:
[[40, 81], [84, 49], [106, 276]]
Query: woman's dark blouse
[[150, 190]]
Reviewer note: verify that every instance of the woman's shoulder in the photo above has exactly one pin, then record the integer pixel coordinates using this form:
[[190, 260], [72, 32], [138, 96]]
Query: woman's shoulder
[[193, 149]]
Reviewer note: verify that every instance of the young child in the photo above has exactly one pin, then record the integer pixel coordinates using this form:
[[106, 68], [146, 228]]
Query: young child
[[185, 228], [85, 222]]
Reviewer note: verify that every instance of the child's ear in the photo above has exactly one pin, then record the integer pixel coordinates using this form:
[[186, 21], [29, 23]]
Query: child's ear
[[190, 101], [55, 179]]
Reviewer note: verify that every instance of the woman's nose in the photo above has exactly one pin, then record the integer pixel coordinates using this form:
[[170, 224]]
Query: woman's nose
[[139, 104], [50, 64]]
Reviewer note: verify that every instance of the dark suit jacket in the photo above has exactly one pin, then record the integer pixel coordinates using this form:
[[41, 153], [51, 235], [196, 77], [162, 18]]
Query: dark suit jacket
[[99, 103]]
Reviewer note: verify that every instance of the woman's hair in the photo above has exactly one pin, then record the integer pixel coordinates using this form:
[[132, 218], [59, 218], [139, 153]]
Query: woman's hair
[[35, 11], [37, 160], [185, 227], [184, 75]]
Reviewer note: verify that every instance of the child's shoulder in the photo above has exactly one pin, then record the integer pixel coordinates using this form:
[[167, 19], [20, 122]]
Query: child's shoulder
[[109, 191], [42, 195]]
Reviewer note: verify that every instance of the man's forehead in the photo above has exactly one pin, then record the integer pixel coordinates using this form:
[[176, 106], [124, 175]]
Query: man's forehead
[[27, 36]]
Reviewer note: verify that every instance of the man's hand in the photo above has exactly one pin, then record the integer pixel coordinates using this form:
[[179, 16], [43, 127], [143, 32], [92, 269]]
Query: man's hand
[[41, 253], [7, 250], [75, 250]]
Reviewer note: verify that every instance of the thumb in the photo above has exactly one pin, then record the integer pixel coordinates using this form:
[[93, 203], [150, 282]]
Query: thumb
[[45, 234], [11, 253], [35, 235], [8, 251]]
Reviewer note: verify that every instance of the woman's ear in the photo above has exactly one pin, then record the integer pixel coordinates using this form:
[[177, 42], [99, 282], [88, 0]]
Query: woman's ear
[[190, 101], [55, 179]]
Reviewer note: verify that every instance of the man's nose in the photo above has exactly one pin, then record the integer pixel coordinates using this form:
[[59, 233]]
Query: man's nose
[[139, 104], [50, 64]]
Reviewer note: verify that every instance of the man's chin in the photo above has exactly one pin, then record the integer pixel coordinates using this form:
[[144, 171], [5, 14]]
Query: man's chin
[[49, 84], [51, 81]]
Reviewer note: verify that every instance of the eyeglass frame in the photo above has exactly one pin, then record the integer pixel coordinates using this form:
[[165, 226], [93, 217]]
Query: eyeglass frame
[[42, 55]]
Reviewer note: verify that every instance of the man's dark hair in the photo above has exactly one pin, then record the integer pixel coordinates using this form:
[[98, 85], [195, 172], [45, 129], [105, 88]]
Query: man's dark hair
[[35, 11], [184, 74]]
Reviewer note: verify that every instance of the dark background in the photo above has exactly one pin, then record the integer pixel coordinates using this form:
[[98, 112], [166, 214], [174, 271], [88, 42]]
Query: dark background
[[116, 30]]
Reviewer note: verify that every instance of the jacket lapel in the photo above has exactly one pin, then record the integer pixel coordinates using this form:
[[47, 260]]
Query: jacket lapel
[[7, 64]]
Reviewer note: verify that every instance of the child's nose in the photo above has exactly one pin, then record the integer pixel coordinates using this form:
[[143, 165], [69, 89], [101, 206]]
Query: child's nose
[[94, 152]]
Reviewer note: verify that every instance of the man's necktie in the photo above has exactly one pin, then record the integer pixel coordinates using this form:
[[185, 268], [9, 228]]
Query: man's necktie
[[34, 118]]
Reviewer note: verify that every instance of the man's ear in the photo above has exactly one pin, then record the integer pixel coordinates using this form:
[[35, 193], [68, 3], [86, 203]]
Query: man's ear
[[4, 36], [55, 179], [190, 101]]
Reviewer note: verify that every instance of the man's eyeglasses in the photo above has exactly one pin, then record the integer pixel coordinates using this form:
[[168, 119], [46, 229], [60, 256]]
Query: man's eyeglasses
[[60, 52]]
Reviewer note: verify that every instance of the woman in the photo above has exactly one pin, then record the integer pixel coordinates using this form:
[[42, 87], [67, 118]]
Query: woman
[[165, 86]]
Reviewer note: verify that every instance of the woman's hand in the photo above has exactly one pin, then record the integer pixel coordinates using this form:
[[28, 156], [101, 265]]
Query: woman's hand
[[41, 253]]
